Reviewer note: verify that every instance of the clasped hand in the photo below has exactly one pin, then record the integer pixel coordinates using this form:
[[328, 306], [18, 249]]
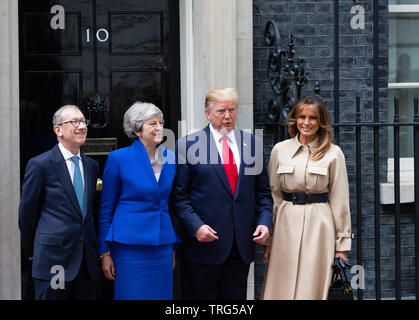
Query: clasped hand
[[206, 234]]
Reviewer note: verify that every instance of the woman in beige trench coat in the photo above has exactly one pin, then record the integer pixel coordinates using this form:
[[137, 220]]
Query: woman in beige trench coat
[[311, 218]]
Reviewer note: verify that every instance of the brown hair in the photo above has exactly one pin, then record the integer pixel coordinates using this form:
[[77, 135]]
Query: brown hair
[[325, 130]]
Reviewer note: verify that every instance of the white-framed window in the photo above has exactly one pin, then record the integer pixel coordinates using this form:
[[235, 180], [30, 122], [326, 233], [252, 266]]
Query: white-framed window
[[403, 62]]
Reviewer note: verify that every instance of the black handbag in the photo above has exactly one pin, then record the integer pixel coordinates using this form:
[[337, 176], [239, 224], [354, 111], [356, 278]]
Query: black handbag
[[340, 288]]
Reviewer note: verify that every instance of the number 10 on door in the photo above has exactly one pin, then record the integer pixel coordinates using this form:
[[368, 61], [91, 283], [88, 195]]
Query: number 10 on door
[[102, 35]]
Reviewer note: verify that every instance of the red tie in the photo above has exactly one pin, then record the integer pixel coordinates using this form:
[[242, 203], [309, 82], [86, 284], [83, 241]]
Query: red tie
[[229, 165]]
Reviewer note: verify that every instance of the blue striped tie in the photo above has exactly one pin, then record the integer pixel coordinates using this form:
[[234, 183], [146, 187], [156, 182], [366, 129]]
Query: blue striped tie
[[78, 182]]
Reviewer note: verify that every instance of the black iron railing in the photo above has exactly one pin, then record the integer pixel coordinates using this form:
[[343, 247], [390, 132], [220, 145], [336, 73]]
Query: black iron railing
[[396, 124]]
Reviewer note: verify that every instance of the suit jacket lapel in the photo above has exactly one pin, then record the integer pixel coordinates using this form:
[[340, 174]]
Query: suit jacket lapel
[[218, 167], [240, 146], [88, 180], [142, 156], [60, 168]]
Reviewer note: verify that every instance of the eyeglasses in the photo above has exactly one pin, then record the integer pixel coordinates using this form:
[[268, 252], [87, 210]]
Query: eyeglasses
[[75, 123]]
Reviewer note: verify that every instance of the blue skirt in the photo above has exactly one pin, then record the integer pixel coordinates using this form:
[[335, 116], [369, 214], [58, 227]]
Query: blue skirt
[[143, 272]]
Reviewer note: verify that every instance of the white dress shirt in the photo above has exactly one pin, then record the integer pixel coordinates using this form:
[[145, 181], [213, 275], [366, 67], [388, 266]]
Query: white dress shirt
[[232, 143], [70, 164]]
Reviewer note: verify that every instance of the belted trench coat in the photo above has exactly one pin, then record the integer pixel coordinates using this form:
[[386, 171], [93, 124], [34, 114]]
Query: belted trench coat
[[304, 238]]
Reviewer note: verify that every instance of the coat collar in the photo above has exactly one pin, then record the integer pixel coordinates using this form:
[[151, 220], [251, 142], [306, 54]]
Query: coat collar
[[168, 159], [137, 144], [296, 145], [66, 153]]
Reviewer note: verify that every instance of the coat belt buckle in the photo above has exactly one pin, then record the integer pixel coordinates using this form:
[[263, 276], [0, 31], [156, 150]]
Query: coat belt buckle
[[301, 199]]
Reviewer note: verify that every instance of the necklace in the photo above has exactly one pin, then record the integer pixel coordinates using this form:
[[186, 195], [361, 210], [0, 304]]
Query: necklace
[[156, 157]]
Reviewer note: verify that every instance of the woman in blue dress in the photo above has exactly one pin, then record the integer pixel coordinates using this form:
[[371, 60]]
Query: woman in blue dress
[[136, 234]]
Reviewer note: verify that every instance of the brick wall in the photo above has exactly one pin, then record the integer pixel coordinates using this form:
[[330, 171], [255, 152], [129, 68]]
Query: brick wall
[[312, 25]]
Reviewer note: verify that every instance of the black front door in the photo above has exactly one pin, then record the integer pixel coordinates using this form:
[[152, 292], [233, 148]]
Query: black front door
[[102, 55]]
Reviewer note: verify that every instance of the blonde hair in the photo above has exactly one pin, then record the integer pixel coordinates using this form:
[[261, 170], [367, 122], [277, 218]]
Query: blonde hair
[[221, 94], [325, 130]]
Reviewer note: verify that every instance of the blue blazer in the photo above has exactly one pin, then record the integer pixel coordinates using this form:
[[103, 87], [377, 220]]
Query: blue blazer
[[53, 229], [202, 195], [134, 207]]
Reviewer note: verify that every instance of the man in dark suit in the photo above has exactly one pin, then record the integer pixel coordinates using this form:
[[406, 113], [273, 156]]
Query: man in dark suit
[[223, 202], [56, 214]]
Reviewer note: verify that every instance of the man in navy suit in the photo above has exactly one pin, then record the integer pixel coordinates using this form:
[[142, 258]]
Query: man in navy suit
[[223, 202], [56, 214]]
